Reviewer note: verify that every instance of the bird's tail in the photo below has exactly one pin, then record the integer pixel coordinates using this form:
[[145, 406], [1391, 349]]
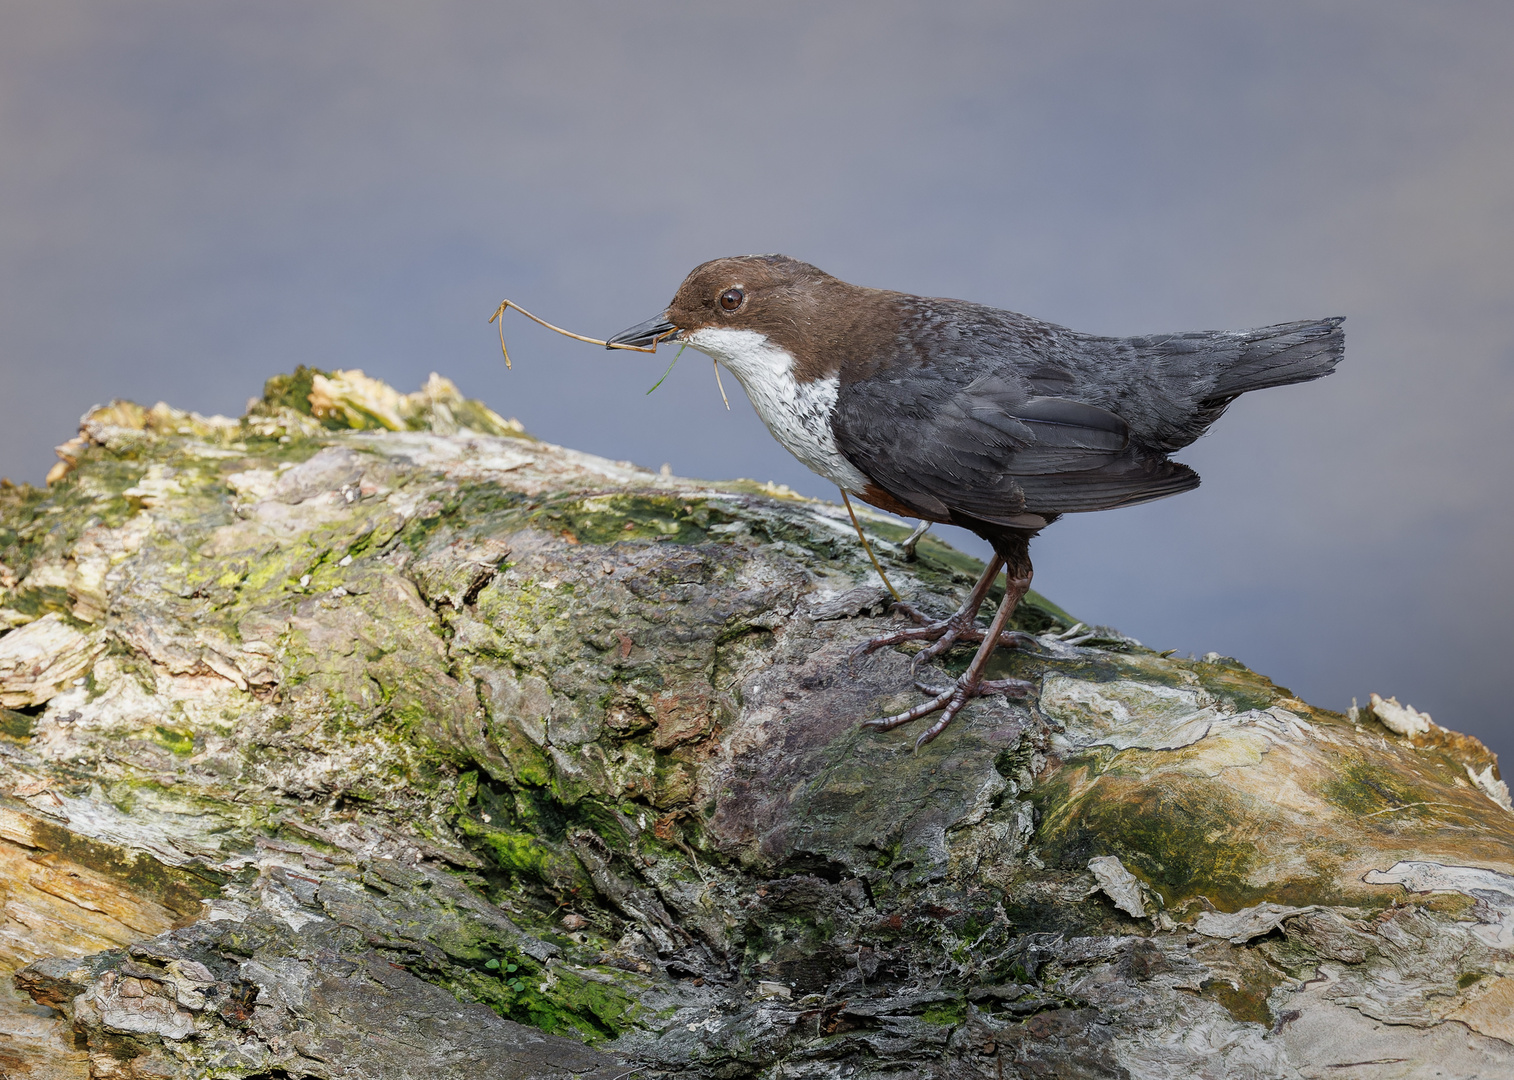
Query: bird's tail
[[1287, 353]]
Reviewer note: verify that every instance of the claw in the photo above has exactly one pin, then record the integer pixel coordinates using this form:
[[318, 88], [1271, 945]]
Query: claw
[[951, 700], [956, 626], [950, 636], [888, 723], [951, 710], [912, 611], [959, 628], [1019, 639], [1008, 687]]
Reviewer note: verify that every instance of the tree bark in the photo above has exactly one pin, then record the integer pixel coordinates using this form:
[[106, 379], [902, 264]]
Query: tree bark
[[366, 735]]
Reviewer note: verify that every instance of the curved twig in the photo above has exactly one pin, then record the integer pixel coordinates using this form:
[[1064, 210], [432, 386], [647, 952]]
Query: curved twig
[[505, 305]]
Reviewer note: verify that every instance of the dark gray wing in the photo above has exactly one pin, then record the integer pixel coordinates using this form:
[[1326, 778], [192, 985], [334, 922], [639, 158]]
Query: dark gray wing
[[991, 449]]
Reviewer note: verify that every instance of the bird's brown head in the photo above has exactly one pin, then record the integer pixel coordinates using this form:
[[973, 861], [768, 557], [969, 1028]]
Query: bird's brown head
[[766, 293], [791, 304]]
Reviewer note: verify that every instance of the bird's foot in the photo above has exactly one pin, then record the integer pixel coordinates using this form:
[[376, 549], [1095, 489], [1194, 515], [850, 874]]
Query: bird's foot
[[949, 701], [960, 626]]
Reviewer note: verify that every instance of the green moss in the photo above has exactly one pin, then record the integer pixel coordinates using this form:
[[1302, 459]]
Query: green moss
[[768, 490], [576, 999], [181, 743], [937, 553], [17, 497], [1365, 791], [945, 1013], [1235, 684], [832, 547], [15, 725], [481, 502], [98, 486], [1248, 1004], [266, 451], [472, 509], [232, 577], [605, 818], [528, 762], [179, 889], [606, 519], [467, 791], [672, 781], [292, 391], [44, 524], [35, 603], [1036, 615], [477, 416], [1456, 905], [534, 808], [524, 855], [517, 852], [555, 1000], [1256, 979], [1180, 836], [264, 572]]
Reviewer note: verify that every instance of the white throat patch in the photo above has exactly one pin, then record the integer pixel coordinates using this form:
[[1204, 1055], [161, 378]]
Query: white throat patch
[[798, 414]]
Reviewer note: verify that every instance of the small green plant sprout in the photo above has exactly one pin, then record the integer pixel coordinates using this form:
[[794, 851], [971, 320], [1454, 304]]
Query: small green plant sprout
[[671, 362]]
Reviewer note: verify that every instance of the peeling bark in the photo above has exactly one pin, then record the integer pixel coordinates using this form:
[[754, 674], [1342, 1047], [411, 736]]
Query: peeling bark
[[365, 735]]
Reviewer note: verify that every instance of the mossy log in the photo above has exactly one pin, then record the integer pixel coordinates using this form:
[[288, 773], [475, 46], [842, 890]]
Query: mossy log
[[366, 735]]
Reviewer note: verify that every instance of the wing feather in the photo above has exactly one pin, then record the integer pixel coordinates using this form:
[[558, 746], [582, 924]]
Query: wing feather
[[990, 448]]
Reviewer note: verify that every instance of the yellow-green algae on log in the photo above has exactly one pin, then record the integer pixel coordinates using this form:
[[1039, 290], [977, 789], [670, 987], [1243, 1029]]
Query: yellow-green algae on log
[[411, 745], [1270, 800]]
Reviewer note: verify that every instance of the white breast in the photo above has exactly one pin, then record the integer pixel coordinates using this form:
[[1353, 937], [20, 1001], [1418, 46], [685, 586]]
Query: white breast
[[797, 413]]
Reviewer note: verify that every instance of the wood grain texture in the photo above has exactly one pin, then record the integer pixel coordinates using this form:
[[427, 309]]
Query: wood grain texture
[[444, 752]]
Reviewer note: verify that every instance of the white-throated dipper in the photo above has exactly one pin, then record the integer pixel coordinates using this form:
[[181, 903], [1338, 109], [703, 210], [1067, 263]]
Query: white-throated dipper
[[955, 412]]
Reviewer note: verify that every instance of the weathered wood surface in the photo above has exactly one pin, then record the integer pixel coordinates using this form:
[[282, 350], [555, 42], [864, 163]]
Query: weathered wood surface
[[367, 736]]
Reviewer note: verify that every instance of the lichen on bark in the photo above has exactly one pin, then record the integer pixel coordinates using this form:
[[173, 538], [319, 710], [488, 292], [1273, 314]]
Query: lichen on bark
[[367, 735]]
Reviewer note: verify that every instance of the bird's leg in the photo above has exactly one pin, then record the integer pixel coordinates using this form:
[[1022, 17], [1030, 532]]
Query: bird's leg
[[944, 632], [959, 626], [970, 684]]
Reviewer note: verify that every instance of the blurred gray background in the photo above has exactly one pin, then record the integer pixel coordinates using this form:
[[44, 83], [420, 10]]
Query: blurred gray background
[[195, 195]]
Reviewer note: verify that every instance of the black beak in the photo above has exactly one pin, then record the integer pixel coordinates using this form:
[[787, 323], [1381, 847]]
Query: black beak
[[644, 334]]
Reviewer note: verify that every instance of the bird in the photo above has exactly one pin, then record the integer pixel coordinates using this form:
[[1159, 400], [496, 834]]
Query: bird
[[956, 412]]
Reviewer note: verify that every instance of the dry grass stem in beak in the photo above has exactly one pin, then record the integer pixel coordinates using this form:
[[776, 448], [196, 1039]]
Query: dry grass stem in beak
[[505, 305], [721, 384]]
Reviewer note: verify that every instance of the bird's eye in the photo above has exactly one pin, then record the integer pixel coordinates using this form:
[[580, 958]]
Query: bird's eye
[[731, 299]]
